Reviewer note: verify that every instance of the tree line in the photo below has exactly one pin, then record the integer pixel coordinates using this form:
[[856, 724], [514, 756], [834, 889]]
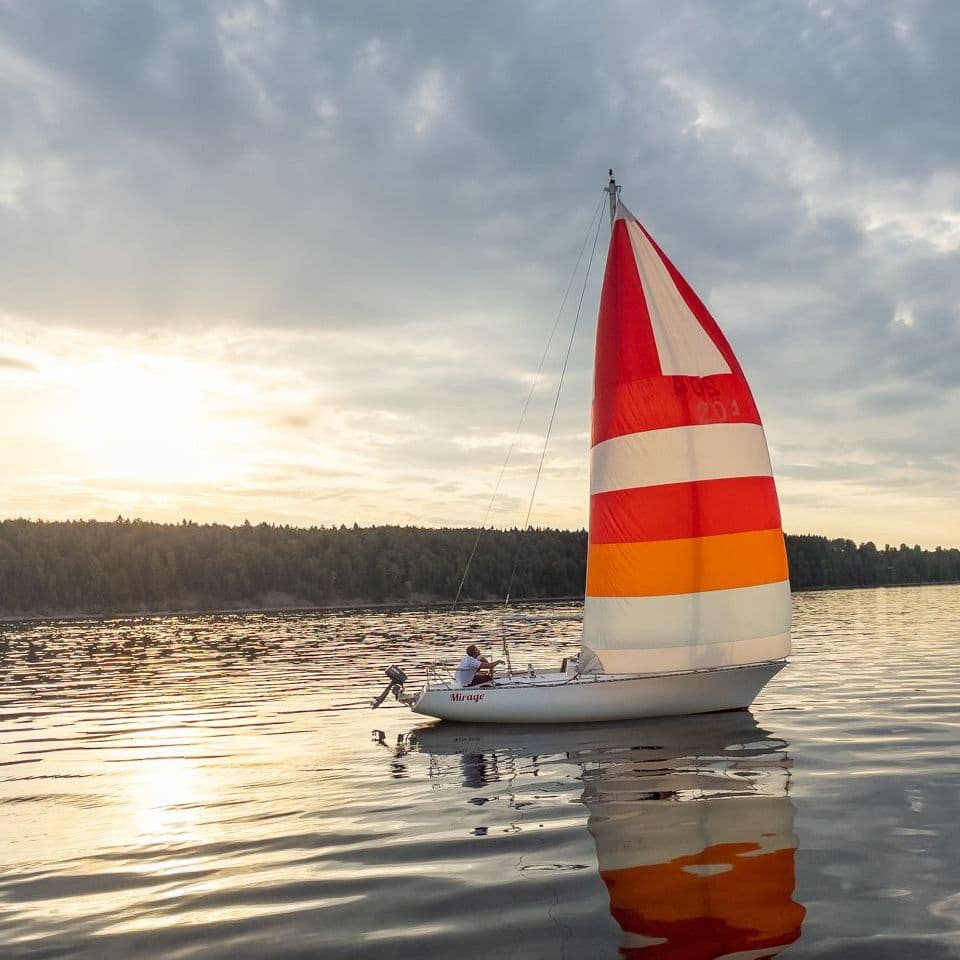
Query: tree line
[[92, 567]]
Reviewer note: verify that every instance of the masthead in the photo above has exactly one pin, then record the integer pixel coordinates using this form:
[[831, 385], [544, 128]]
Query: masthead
[[613, 189]]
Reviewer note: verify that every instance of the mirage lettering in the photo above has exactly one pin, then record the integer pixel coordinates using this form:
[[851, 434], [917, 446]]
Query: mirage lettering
[[459, 697]]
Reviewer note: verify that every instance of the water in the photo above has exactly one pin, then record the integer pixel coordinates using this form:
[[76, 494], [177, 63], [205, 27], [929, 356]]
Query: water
[[209, 787]]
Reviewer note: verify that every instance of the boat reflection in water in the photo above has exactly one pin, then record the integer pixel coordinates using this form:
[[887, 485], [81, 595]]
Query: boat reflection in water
[[691, 818]]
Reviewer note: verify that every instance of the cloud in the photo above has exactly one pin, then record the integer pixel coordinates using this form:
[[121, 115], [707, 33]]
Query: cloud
[[382, 204], [14, 363]]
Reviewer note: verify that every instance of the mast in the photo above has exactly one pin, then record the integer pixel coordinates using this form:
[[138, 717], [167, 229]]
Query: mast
[[613, 189]]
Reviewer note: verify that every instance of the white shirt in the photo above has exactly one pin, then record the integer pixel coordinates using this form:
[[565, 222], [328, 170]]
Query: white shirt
[[467, 670]]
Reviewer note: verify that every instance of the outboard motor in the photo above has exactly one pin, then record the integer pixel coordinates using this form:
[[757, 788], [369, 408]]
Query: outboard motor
[[396, 674], [397, 679]]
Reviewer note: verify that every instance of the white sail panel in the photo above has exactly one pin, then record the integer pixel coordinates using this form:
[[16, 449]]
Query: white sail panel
[[674, 831], [683, 345], [656, 660], [713, 616], [710, 451]]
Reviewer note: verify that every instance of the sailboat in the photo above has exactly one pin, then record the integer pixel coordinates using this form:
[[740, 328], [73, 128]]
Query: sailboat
[[687, 601]]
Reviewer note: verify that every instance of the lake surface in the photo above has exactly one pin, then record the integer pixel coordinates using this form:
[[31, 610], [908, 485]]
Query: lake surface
[[211, 787]]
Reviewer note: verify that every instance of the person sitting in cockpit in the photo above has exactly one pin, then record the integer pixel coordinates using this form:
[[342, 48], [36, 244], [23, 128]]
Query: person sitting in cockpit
[[474, 668]]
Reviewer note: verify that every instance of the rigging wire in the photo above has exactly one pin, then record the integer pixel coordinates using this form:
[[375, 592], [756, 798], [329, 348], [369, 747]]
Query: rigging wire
[[533, 387], [553, 414]]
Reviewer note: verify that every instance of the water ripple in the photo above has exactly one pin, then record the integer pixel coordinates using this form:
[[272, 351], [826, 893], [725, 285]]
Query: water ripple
[[208, 787]]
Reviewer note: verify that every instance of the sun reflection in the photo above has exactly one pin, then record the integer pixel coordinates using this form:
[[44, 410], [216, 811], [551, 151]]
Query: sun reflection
[[167, 789]]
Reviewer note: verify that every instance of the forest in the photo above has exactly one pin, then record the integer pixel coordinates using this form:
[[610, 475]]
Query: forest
[[131, 566]]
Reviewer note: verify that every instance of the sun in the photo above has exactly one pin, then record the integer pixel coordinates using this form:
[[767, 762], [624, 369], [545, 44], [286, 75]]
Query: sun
[[143, 420]]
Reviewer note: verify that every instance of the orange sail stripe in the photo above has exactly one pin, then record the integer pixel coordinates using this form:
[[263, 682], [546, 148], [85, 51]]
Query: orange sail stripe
[[676, 511], [749, 906], [661, 567]]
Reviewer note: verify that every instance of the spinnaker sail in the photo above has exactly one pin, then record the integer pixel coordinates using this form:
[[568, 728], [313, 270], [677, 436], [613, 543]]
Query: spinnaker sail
[[686, 565]]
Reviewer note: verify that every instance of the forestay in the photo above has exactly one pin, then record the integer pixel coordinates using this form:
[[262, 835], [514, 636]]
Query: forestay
[[686, 566]]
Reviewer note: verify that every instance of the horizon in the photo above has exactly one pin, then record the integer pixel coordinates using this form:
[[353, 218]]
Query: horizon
[[294, 265]]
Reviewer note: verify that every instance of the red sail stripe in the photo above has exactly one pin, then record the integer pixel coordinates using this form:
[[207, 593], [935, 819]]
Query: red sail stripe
[[626, 349], [662, 402], [630, 392], [676, 511]]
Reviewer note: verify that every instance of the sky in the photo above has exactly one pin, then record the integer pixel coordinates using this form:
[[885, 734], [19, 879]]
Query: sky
[[298, 262]]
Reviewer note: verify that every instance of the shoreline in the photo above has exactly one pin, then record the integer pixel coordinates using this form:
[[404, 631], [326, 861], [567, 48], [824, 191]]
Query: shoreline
[[345, 607], [358, 606]]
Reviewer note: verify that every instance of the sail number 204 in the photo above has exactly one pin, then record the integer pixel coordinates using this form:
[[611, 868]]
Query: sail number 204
[[710, 411]]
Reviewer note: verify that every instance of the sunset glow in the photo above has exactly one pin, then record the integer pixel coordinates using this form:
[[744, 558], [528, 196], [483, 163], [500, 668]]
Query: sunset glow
[[229, 302]]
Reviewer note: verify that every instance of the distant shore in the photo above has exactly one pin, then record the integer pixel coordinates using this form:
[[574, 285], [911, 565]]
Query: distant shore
[[422, 603], [359, 606], [131, 568]]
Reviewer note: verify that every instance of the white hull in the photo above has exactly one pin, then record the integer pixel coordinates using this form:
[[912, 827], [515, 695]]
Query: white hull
[[552, 698]]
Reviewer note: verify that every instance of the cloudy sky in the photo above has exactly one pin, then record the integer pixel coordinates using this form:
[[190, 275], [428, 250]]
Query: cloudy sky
[[298, 262]]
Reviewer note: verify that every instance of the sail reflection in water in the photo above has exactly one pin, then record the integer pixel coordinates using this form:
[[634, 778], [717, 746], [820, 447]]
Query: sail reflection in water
[[691, 818]]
